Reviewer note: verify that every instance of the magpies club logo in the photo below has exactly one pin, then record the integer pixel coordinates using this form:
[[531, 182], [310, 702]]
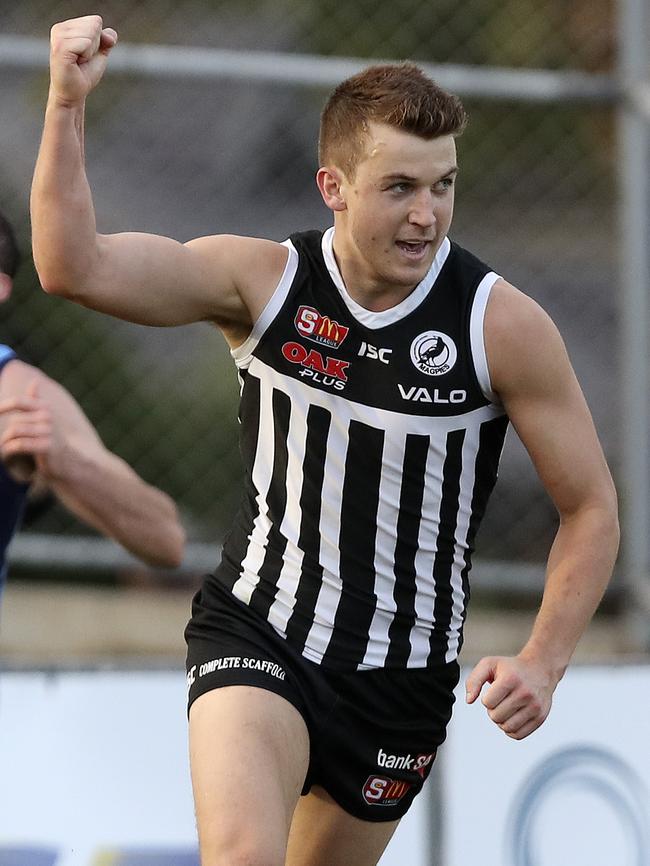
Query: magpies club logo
[[433, 353]]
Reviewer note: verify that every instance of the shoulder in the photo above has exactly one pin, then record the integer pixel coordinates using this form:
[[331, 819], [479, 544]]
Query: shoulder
[[253, 265], [522, 343], [237, 246], [241, 255], [310, 241], [512, 315], [467, 260]]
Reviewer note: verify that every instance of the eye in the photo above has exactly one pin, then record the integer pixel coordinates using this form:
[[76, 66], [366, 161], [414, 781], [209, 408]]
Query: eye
[[444, 184], [400, 187]]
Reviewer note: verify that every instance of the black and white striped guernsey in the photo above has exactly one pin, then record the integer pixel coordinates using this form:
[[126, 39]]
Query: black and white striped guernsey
[[371, 443]]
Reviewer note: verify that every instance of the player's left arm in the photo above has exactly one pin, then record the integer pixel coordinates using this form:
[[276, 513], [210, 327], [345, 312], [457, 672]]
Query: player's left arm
[[41, 424], [532, 374]]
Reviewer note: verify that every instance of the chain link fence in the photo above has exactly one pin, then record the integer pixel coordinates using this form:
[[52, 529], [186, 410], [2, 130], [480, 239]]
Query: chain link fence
[[536, 198]]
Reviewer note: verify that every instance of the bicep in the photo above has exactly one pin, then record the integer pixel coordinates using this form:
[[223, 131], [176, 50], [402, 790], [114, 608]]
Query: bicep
[[559, 434], [533, 375], [154, 280]]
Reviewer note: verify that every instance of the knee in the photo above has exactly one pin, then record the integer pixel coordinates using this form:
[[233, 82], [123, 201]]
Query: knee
[[242, 853]]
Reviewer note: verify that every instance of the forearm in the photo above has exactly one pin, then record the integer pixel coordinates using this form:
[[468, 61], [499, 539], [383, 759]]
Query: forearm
[[63, 217], [102, 490], [579, 568]]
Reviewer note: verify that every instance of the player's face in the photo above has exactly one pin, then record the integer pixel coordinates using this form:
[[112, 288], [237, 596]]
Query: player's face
[[397, 211]]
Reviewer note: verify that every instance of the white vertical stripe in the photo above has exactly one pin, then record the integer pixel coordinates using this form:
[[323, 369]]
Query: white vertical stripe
[[476, 336], [262, 472], [397, 426], [425, 558], [287, 587], [330, 591], [467, 475], [387, 517]]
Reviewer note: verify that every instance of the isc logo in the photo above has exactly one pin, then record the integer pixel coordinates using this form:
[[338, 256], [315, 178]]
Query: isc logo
[[382, 791], [321, 329]]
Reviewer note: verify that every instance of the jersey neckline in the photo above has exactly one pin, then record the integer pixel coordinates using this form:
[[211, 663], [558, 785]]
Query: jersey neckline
[[376, 320]]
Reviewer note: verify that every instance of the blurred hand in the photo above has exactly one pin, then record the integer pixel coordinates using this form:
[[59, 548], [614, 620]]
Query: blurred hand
[[30, 440], [520, 695], [20, 467], [79, 50]]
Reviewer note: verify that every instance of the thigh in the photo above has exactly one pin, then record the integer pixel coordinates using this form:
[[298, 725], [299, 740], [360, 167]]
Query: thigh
[[249, 752], [377, 746], [323, 834]]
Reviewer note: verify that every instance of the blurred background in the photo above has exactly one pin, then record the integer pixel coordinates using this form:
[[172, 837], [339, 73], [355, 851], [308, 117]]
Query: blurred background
[[215, 131]]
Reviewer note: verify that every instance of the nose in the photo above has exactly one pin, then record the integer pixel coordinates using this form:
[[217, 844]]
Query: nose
[[421, 212]]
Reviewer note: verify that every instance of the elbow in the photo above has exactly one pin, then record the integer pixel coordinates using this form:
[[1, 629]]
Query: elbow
[[53, 285], [64, 279], [175, 549], [169, 551], [615, 530], [162, 544], [607, 527], [611, 516]]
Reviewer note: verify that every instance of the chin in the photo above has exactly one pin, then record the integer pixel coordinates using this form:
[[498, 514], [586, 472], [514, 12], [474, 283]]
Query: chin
[[411, 276]]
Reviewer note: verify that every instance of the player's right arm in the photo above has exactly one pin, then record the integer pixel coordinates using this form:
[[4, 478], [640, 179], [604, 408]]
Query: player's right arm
[[140, 277]]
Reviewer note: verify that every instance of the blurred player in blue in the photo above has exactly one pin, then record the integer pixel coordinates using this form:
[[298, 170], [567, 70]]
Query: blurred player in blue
[[48, 445]]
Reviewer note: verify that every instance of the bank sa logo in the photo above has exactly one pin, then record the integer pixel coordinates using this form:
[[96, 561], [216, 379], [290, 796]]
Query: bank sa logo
[[433, 353]]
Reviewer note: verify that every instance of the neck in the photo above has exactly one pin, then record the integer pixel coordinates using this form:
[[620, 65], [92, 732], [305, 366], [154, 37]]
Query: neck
[[369, 291]]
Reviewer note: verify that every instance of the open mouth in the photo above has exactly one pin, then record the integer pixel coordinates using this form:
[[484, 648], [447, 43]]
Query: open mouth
[[414, 249]]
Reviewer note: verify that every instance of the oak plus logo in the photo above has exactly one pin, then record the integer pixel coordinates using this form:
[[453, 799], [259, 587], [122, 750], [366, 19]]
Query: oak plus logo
[[433, 353], [322, 370], [321, 329]]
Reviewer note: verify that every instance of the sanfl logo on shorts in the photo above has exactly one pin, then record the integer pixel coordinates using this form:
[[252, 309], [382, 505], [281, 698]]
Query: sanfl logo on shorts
[[383, 791]]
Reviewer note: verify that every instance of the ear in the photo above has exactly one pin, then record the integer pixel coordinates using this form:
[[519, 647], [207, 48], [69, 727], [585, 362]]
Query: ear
[[6, 284], [330, 181]]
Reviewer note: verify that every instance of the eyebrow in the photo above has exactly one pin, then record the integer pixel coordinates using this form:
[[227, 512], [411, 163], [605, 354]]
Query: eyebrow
[[412, 179]]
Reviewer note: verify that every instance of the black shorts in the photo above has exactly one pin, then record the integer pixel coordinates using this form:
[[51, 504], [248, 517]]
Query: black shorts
[[373, 734]]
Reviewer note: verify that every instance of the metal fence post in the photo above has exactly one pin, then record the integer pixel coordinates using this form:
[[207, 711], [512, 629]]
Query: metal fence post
[[634, 149]]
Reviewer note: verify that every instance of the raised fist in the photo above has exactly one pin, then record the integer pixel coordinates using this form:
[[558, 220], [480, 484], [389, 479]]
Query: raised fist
[[79, 51]]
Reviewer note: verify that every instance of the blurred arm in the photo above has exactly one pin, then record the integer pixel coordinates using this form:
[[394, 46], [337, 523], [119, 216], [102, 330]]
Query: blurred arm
[[39, 418], [533, 376]]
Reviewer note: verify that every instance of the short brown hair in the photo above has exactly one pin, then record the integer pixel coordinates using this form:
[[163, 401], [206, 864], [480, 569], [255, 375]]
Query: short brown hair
[[398, 94]]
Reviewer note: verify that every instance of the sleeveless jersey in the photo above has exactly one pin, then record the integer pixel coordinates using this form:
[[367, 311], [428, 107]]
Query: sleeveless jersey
[[371, 442], [13, 496]]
